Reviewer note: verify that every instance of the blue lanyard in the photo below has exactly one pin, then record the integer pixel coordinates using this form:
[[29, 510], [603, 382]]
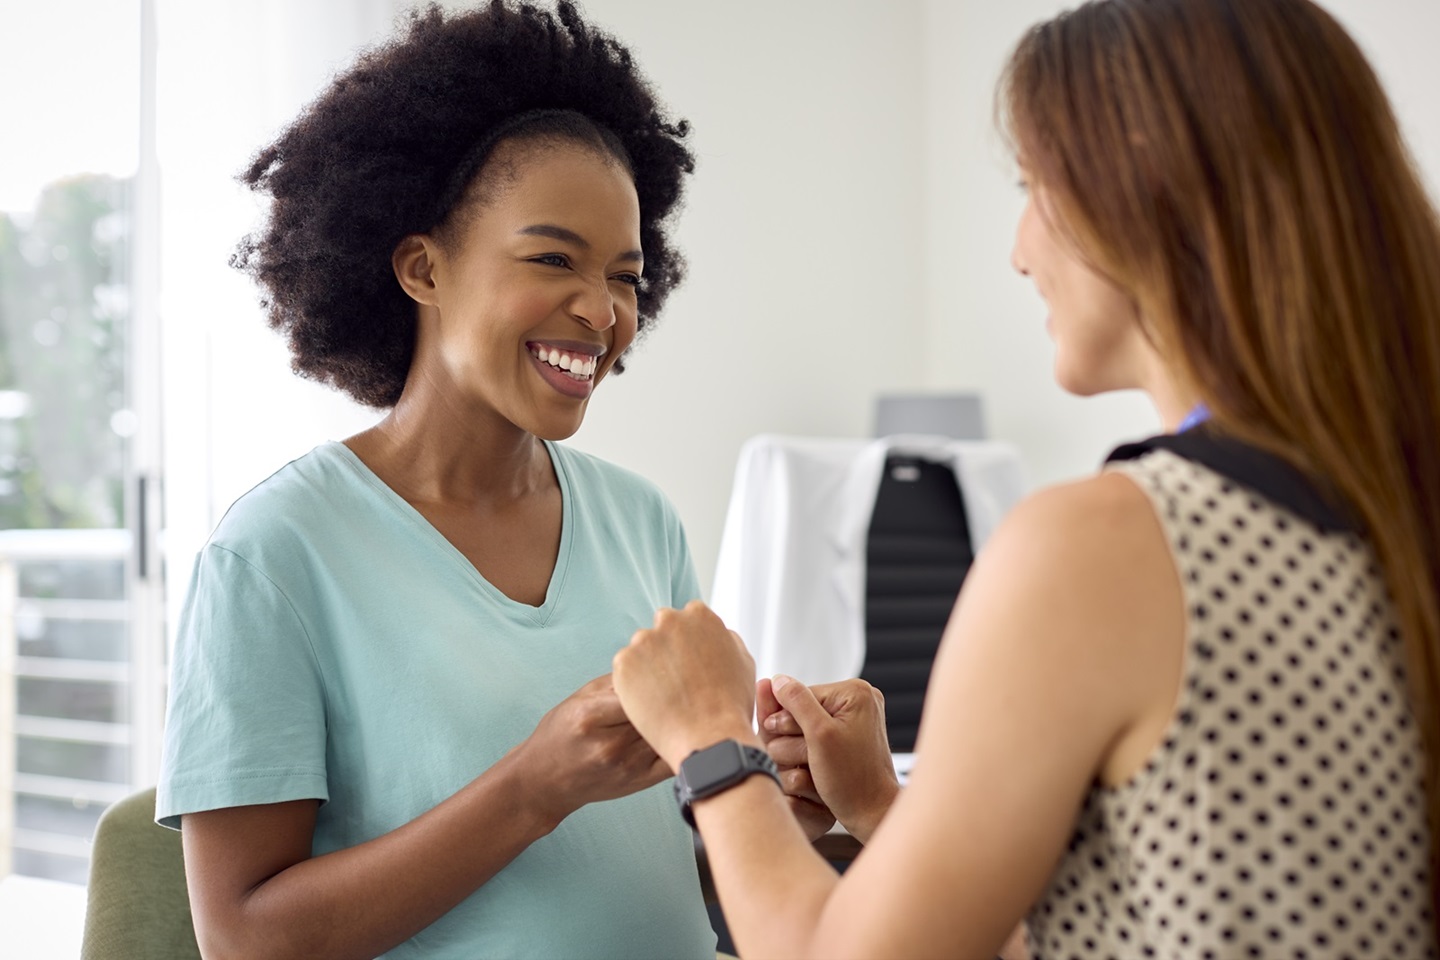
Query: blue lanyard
[[1194, 418]]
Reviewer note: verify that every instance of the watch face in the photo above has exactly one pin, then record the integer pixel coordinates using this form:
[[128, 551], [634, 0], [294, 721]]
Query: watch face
[[713, 766]]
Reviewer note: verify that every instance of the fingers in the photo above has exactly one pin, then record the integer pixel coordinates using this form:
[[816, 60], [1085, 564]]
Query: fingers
[[694, 610], [765, 702], [598, 703], [788, 751], [630, 752], [797, 698], [837, 699], [781, 724], [840, 700], [797, 782], [605, 711], [846, 696]]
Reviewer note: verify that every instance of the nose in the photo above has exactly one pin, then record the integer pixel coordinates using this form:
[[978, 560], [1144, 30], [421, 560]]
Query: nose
[[594, 305], [1019, 262]]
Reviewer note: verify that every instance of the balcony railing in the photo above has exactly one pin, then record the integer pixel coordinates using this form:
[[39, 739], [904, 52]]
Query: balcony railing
[[66, 729]]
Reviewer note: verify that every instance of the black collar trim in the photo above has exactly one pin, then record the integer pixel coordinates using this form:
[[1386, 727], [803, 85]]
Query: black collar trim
[[1251, 467]]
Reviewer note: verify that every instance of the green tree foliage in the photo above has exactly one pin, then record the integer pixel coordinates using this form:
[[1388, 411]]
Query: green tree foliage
[[64, 314]]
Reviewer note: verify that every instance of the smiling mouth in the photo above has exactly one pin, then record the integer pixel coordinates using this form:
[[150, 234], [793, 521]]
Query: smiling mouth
[[575, 366]]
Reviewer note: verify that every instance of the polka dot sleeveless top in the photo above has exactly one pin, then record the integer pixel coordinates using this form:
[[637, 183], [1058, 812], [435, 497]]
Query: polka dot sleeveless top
[[1283, 813]]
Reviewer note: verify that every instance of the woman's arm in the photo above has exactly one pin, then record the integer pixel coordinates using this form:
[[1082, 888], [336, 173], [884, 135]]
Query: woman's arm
[[256, 891], [1059, 667]]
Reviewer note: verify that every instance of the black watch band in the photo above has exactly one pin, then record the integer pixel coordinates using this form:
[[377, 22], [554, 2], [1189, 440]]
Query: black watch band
[[716, 769]]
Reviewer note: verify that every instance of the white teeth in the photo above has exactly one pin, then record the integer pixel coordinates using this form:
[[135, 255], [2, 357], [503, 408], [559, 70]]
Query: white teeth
[[576, 366]]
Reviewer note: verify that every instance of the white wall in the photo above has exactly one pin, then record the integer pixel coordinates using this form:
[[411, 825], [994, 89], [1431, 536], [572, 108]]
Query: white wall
[[1398, 36], [848, 228]]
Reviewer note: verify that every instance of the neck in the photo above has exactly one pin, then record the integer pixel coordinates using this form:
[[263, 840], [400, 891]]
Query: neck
[[1172, 402], [1172, 411], [431, 447]]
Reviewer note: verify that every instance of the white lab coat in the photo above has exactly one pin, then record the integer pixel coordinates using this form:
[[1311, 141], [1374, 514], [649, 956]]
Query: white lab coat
[[790, 576]]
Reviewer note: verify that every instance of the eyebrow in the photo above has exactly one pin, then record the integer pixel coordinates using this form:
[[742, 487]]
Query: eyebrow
[[571, 237]]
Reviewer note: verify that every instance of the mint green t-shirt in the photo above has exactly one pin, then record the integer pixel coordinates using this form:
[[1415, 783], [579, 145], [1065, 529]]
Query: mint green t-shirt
[[335, 646]]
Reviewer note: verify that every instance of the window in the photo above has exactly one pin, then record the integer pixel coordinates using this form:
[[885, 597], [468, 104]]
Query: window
[[80, 650]]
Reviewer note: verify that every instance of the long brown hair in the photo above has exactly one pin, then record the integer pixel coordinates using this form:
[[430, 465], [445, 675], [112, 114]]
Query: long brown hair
[[1236, 167]]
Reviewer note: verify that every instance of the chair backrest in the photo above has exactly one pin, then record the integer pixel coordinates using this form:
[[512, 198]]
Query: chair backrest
[[918, 552], [138, 905]]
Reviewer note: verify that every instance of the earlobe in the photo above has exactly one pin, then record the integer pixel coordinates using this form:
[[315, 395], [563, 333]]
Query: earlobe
[[414, 265]]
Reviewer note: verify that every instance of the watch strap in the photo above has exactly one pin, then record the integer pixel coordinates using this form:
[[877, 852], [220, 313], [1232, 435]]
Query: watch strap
[[752, 760]]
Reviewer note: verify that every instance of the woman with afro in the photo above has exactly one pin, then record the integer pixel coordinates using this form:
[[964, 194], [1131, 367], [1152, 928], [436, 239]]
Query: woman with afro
[[392, 728]]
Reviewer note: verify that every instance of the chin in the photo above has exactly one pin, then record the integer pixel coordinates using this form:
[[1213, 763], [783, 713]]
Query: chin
[[1075, 382], [1091, 380], [557, 430], [1082, 386]]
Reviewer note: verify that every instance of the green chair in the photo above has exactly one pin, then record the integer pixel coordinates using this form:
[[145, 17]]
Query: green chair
[[138, 907]]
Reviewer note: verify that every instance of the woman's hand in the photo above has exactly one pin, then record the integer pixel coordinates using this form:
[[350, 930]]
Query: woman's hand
[[586, 750], [837, 732], [687, 683], [810, 811]]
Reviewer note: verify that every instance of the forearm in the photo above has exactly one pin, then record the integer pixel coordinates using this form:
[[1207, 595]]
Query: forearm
[[362, 901], [772, 884]]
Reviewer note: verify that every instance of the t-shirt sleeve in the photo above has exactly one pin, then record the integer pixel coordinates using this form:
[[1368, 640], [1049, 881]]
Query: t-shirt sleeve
[[246, 718], [684, 582]]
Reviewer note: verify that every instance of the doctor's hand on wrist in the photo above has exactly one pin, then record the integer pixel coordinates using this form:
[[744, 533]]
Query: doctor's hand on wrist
[[814, 817], [837, 732]]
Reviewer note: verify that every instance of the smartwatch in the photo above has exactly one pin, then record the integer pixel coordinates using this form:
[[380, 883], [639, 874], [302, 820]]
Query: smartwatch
[[716, 769]]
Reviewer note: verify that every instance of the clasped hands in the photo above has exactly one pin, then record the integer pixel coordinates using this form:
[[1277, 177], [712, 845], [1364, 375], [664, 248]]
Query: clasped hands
[[688, 682]]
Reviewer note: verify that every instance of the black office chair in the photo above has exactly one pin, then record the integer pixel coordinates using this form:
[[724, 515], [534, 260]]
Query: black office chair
[[917, 555]]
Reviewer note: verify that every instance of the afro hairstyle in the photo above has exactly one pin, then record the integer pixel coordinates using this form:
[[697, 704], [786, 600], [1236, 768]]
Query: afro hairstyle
[[390, 148]]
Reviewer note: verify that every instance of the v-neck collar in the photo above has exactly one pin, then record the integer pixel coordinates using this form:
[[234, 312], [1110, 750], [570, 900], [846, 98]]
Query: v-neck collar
[[538, 615]]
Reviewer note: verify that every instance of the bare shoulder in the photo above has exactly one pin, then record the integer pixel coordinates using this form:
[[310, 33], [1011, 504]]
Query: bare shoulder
[[1106, 521], [1077, 597]]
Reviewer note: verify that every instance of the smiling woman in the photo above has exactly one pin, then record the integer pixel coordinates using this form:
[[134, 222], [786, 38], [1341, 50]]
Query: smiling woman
[[541, 279], [393, 660]]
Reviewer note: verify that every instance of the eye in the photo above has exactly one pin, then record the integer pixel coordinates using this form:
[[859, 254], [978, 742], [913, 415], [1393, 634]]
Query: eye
[[552, 260], [629, 279]]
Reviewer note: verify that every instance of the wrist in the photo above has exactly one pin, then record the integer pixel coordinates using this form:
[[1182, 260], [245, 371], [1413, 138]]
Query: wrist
[[688, 741], [542, 804], [863, 823], [717, 769]]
